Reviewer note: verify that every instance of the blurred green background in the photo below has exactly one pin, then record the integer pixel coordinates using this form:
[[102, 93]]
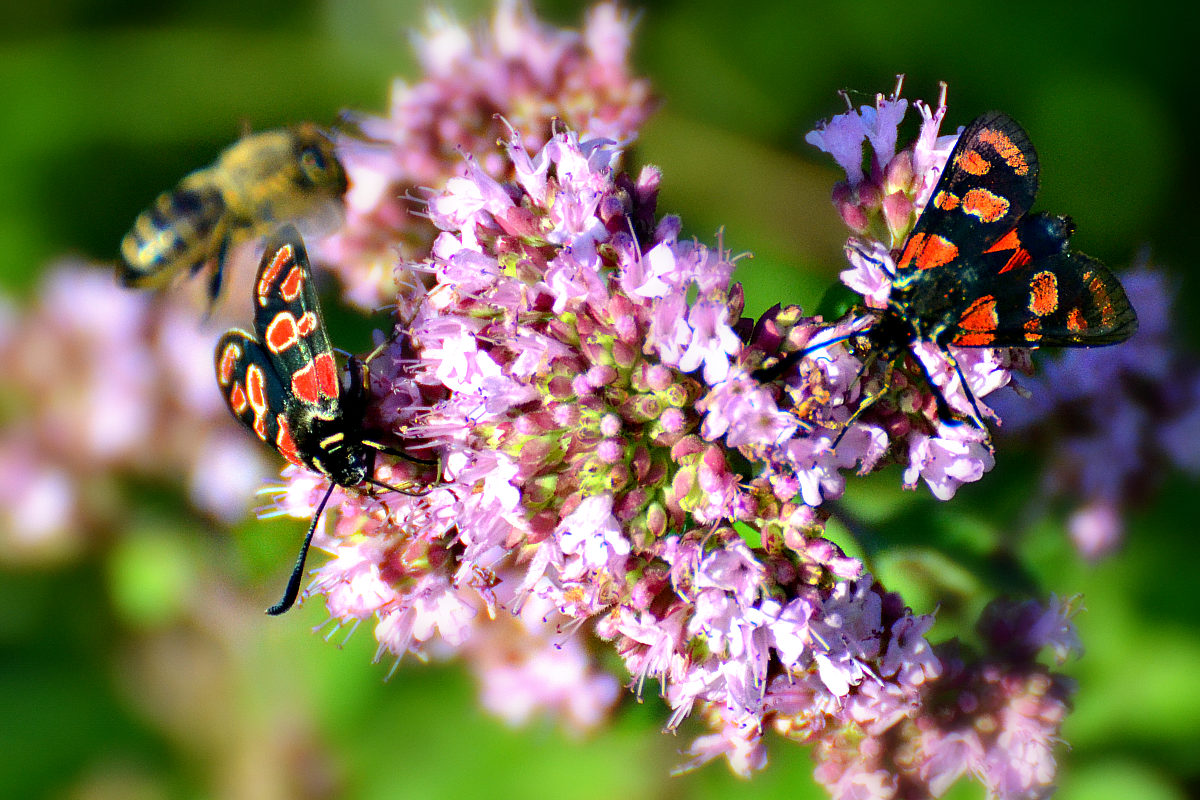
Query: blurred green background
[[102, 105]]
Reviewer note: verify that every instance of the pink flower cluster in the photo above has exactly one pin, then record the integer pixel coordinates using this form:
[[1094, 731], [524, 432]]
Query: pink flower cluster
[[613, 470], [105, 382], [583, 375], [797, 423], [522, 69]]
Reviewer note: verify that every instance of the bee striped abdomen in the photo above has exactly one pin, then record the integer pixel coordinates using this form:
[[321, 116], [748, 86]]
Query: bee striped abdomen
[[288, 174], [177, 230]]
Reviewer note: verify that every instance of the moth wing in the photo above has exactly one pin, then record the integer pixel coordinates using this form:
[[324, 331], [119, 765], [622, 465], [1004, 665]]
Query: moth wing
[[990, 181], [288, 321], [254, 392], [1064, 300]]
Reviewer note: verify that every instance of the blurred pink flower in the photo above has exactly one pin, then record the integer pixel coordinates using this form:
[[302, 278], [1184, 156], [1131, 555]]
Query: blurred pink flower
[[519, 75], [122, 389]]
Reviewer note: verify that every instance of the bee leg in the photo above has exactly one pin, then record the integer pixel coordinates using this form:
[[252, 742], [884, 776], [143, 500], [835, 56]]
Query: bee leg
[[214, 283], [293, 584]]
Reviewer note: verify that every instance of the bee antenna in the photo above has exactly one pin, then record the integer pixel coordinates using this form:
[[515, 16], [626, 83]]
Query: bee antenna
[[293, 585]]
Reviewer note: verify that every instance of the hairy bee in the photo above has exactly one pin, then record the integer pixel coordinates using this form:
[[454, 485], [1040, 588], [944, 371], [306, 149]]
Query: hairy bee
[[261, 180]]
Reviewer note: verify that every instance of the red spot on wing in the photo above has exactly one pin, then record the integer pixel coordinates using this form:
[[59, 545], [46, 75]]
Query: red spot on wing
[[1043, 293], [946, 201], [980, 339], [980, 322], [1076, 322], [1011, 241], [985, 205], [256, 388], [307, 324], [971, 162], [266, 277], [327, 375], [285, 443], [304, 383], [1033, 329], [1004, 147], [928, 250], [1102, 297], [237, 399], [228, 360], [282, 333], [289, 290]]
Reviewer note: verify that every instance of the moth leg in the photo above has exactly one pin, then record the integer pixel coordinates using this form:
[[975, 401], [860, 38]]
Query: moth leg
[[867, 400], [945, 412]]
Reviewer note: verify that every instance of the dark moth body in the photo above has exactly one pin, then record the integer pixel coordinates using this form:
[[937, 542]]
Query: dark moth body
[[978, 270], [283, 383]]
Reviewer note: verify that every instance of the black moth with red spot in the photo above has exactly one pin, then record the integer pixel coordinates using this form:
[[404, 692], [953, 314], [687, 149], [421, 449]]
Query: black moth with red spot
[[283, 384], [978, 270]]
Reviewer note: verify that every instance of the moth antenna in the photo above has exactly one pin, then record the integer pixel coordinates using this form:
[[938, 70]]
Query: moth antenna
[[398, 453], [293, 585], [779, 368], [389, 487]]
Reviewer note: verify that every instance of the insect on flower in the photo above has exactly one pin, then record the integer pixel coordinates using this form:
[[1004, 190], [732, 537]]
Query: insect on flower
[[978, 270], [265, 178], [282, 382]]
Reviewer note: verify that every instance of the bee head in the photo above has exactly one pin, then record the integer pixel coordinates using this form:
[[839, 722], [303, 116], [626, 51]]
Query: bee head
[[320, 169]]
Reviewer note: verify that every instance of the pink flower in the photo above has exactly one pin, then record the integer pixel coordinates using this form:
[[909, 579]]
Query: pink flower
[[516, 76]]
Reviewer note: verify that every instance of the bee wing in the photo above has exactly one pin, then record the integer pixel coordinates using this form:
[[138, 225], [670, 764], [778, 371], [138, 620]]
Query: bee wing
[[254, 392], [989, 182], [288, 321], [1064, 300]]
